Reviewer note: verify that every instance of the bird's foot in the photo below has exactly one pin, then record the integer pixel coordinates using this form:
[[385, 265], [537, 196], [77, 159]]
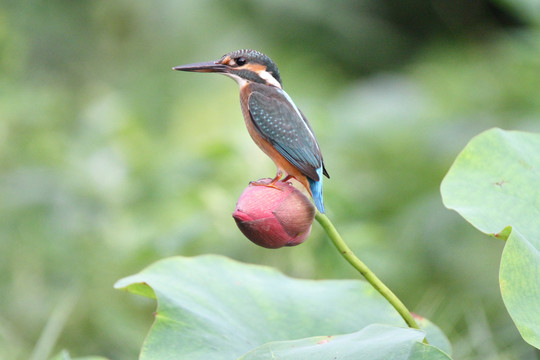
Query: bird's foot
[[271, 183], [287, 178]]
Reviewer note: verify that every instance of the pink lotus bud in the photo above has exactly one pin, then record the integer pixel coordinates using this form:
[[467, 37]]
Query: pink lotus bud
[[273, 217]]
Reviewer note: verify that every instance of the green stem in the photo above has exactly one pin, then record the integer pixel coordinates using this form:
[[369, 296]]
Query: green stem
[[347, 253]]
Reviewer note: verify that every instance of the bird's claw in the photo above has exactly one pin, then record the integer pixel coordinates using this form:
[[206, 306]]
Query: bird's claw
[[271, 184]]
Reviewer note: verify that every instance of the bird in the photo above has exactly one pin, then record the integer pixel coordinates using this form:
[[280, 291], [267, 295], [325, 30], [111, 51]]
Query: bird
[[273, 120]]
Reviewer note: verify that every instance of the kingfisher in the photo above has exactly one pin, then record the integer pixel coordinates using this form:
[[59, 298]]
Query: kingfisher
[[273, 120]]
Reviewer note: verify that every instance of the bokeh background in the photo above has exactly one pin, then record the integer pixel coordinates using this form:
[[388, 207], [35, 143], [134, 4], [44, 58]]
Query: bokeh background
[[110, 161]]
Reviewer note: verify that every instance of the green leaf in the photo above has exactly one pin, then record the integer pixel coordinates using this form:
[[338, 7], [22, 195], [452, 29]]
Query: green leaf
[[64, 355], [211, 307], [495, 185], [435, 335], [373, 342]]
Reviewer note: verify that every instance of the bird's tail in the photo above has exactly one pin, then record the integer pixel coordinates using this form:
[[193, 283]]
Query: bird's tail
[[316, 188]]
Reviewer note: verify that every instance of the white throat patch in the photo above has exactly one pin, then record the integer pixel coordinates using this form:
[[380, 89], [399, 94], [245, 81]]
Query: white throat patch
[[241, 81]]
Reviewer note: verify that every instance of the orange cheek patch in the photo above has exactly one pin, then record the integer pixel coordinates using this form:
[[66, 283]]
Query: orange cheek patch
[[254, 67]]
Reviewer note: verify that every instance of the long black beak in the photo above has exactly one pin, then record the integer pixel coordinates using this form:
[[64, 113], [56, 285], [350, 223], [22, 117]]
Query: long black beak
[[208, 67]]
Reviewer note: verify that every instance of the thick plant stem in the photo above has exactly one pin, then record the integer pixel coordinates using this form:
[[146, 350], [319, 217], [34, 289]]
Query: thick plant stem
[[347, 253]]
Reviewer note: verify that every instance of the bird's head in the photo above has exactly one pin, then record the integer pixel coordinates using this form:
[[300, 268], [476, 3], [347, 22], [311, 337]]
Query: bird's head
[[241, 65]]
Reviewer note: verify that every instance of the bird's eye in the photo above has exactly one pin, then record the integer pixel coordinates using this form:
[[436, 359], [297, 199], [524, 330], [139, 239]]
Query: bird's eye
[[241, 61]]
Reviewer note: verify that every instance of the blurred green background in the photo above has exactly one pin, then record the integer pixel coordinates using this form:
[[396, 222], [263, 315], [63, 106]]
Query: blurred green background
[[110, 161]]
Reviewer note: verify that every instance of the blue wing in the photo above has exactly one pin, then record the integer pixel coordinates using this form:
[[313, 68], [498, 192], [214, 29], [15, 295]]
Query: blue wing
[[280, 122], [316, 188]]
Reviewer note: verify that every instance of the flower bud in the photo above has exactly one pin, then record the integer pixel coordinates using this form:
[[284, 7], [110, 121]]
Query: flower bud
[[273, 217]]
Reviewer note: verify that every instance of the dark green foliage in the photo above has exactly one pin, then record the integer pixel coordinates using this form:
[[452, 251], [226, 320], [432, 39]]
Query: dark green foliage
[[109, 160]]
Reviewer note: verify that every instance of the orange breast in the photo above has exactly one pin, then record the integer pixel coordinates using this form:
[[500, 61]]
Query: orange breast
[[278, 159]]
